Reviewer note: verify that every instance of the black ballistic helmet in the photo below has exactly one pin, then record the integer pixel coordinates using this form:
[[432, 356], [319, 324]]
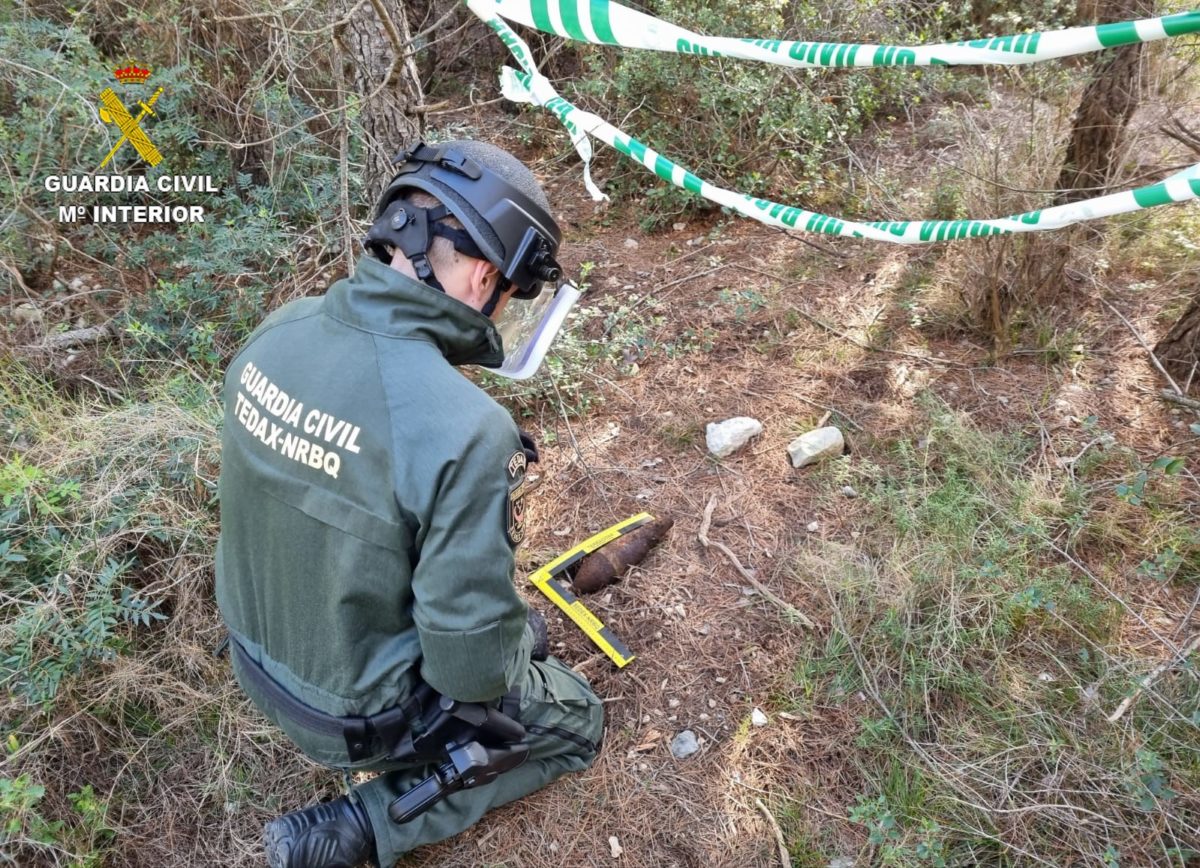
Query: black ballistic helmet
[[496, 198]]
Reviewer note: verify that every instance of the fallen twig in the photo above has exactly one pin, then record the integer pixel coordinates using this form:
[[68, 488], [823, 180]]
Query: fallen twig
[[1181, 400], [790, 610], [73, 338], [1149, 352], [1154, 675], [784, 858], [862, 345], [828, 251]]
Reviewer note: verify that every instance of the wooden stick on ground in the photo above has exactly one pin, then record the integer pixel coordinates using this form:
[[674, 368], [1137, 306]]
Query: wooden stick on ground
[[790, 610], [77, 337], [1145, 346], [1181, 400], [784, 858], [1154, 675]]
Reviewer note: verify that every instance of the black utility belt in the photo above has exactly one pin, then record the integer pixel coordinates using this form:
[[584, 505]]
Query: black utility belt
[[365, 737]]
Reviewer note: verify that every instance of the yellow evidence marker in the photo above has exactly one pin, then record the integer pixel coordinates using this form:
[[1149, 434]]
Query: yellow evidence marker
[[547, 581]]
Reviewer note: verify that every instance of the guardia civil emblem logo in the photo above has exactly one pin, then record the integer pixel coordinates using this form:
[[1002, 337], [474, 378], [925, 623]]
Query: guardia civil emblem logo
[[113, 111]]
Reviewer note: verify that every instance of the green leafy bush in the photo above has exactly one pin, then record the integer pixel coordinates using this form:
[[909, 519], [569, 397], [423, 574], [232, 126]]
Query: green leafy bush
[[191, 291], [86, 510]]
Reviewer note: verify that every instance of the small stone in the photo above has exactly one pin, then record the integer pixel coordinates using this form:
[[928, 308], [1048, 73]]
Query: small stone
[[645, 718], [703, 715], [848, 491], [816, 445], [1045, 677], [630, 244], [25, 312], [1003, 400], [77, 284], [679, 227], [658, 634], [813, 526], [725, 438], [712, 703], [758, 717], [684, 744], [615, 846], [721, 679], [672, 703]]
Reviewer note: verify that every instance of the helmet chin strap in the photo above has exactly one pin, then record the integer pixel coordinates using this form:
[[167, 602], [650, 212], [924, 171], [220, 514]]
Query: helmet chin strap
[[490, 308]]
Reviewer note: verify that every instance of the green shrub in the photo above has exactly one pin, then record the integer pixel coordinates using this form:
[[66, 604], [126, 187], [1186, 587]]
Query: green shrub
[[754, 127], [191, 291], [85, 513]]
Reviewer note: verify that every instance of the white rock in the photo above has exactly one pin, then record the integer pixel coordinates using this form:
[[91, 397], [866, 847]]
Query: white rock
[[848, 491], [615, 846], [815, 445], [813, 526], [631, 244], [725, 438], [684, 744], [27, 312], [679, 227], [758, 717]]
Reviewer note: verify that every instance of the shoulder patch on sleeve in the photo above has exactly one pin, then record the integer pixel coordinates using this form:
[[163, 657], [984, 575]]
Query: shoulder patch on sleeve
[[515, 471]]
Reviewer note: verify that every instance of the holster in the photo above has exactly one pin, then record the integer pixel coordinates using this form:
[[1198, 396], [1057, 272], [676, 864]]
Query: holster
[[469, 743]]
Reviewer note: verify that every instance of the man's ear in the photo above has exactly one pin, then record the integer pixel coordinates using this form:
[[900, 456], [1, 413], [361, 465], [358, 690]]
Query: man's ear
[[483, 278]]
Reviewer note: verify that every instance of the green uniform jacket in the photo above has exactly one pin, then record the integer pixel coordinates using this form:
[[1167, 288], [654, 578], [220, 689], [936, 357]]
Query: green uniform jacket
[[370, 500]]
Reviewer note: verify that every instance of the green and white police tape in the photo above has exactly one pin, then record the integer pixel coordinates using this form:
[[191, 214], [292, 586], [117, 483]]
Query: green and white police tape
[[606, 23], [529, 86]]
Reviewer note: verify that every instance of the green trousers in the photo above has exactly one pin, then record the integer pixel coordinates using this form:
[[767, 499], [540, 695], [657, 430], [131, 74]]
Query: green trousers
[[564, 722]]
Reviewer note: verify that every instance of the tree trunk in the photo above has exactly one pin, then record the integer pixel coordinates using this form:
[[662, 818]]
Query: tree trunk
[[374, 44], [1179, 351], [1107, 104]]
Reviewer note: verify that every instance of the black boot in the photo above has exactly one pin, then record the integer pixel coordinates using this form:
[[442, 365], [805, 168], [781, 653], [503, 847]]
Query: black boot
[[333, 834]]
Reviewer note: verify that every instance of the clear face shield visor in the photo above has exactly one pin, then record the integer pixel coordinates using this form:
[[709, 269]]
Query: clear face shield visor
[[528, 328]]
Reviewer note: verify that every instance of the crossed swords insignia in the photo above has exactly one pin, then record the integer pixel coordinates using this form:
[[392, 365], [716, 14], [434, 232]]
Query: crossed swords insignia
[[114, 112]]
